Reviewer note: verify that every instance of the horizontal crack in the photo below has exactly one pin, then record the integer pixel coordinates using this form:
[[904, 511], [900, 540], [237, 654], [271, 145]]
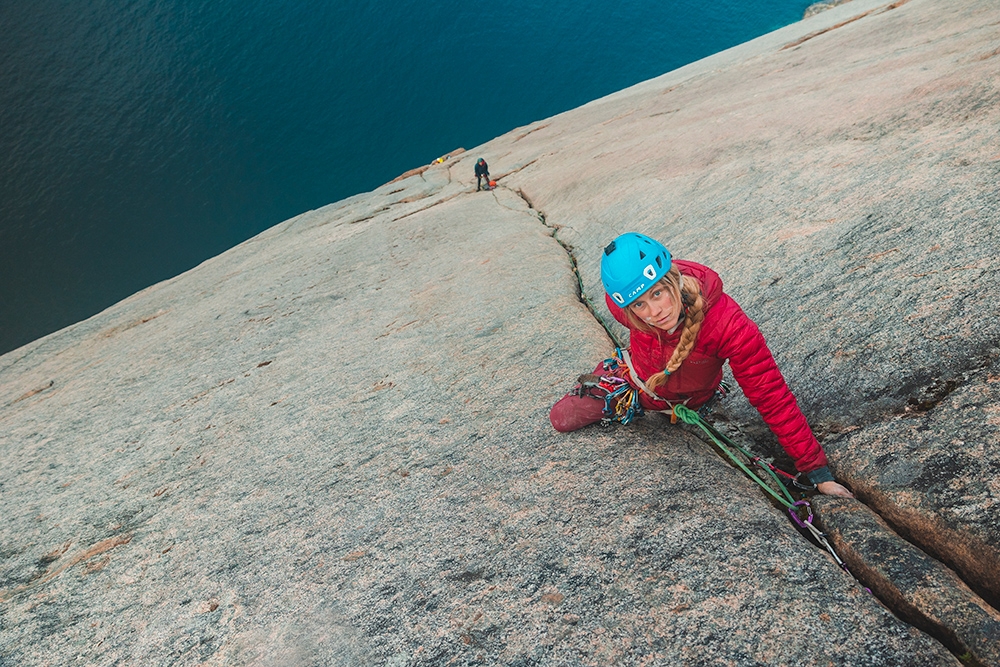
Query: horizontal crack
[[534, 129], [811, 35], [514, 171], [439, 201]]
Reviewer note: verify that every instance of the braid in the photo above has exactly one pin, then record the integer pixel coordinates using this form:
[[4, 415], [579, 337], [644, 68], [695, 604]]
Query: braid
[[694, 316], [692, 325]]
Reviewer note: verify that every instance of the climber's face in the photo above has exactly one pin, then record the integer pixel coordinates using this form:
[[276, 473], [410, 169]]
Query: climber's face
[[656, 308]]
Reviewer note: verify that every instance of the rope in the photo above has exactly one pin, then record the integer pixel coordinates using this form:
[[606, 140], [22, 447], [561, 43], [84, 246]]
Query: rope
[[621, 404], [689, 416]]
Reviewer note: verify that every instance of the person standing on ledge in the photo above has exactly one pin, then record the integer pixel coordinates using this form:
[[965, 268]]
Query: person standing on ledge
[[682, 329], [482, 172]]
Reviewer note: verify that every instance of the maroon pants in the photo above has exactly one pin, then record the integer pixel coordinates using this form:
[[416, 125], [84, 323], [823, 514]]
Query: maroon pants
[[572, 412]]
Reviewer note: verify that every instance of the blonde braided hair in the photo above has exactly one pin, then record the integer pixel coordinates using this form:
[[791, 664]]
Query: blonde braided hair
[[685, 290]]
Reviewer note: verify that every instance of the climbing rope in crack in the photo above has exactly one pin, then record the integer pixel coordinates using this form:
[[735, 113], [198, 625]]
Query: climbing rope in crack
[[794, 507]]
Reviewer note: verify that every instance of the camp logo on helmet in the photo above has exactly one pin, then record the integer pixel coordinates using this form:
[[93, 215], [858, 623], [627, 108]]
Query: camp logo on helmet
[[630, 265]]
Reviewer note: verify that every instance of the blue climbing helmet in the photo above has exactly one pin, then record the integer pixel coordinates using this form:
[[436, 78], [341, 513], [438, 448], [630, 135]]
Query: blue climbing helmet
[[631, 264]]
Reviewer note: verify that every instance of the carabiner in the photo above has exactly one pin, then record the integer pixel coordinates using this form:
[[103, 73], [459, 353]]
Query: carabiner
[[793, 511]]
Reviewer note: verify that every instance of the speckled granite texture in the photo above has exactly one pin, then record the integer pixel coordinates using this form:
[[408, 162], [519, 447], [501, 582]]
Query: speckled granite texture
[[330, 446]]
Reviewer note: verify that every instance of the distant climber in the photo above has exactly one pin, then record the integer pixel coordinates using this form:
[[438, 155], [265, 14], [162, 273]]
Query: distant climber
[[683, 328], [482, 172]]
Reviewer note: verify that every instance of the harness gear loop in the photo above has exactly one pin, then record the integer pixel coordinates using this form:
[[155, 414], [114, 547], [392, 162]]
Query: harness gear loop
[[634, 378], [621, 399], [628, 406], [622, 388]]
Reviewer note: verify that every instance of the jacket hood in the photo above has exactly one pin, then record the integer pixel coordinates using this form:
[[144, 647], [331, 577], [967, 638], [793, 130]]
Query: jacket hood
[[711, 283]]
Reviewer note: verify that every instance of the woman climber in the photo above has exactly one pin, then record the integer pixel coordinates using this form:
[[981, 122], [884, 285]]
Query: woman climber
[[682, 329]]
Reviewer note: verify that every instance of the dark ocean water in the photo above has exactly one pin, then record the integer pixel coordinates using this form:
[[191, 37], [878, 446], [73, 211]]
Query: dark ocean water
[[140, 137]]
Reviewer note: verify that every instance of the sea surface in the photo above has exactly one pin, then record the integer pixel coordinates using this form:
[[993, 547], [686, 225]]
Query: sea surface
[[141, 137]]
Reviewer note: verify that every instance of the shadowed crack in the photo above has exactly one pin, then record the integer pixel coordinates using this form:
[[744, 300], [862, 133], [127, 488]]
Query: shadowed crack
[[383, 209], [534, 129], [916, 588], [580, 294], [514, 171], [419, 171], [439, 201]]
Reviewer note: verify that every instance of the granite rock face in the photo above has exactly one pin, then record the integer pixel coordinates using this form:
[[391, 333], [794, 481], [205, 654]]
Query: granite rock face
[[330, 446], [935, 473], [920, 589], [845, 191]]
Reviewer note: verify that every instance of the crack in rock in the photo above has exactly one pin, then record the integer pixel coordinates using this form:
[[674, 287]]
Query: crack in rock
[[581, 295]]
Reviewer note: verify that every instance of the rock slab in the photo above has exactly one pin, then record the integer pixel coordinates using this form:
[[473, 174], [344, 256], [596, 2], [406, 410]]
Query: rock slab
[[329, 445]]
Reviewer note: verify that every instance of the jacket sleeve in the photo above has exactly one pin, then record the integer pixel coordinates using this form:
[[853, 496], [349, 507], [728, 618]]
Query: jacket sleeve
[[757, 373]]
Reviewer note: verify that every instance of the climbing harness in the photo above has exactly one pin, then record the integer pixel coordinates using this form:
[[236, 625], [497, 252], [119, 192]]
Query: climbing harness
[[622, 387], [622, 356], [621, 399], [794, 507]]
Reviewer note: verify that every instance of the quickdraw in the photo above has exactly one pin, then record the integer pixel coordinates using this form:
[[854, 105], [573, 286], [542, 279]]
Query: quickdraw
[[621, 399], [794, 507], [622, 388]]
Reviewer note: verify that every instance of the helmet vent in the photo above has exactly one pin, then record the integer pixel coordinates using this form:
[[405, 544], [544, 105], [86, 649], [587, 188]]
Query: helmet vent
[[659, 262], [610, 248], [642, 255]]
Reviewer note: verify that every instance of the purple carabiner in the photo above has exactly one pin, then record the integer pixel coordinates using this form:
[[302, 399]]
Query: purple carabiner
[[793, 512]]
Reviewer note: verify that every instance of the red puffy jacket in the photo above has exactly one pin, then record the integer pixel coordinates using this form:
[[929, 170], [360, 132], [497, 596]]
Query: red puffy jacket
[[726, 334]]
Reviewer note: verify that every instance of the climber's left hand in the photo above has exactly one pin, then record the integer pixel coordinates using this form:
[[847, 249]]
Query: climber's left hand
[[833, 489]]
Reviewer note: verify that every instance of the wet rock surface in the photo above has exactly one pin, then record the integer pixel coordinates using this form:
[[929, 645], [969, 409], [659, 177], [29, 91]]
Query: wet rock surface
[[330, 445]]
